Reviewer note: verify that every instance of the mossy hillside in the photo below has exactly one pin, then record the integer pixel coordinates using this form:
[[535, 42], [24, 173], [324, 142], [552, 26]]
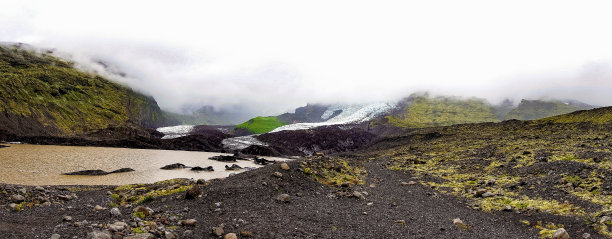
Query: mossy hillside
[[58, 96], [425, 111], [533, 166], [597, 116], [260, 125], [538, 109]]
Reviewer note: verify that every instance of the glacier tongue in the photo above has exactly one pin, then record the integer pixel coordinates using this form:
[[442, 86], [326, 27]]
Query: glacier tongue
[[175, 131], [350, 114]]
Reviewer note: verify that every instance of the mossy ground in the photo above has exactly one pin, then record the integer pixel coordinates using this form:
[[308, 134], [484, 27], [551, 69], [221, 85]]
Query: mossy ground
[[142, 193], [260, 125], [538, 166]]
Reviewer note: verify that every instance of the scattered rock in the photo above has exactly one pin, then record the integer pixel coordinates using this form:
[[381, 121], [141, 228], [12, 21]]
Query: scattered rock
[[285, 166], [118, 226], [98, 208], [41, 189], [217, 231], [460, 223], [188, 233], [96, 234], [190, 222], [208, 169], [408, 183], [245, 234], [487, 194], [170, 235], [561, 234], [233, 167], [115, 212], [605, 219], [16, 198], [507, 208], [586, 236], [193, 192], [284, 198], [479, 192], [123, 170], [67, 218], [55, 236], [402, 222], [231, 236], [174, 166], [141, 236], [358, 195], [278, 174], [13, 206], [64, 197], [201, 181]]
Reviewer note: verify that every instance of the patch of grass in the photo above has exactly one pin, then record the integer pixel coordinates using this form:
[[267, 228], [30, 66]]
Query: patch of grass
[[260, 125], [335, 172], [140, 215]]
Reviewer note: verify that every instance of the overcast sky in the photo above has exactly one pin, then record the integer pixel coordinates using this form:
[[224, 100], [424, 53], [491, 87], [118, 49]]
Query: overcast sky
[[275, 55]]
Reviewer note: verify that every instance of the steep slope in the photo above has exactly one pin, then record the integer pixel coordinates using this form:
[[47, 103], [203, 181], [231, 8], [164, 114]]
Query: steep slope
[[419, 111], [260, 125], [43, 95], [538, 109]]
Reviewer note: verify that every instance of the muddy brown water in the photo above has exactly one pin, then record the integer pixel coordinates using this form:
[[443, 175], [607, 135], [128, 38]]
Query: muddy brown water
[[45, 164]]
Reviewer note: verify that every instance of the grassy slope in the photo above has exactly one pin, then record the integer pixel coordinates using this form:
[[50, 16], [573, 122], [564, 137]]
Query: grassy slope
[[442, 111], [538, 109], [260, 125], [58, 96]]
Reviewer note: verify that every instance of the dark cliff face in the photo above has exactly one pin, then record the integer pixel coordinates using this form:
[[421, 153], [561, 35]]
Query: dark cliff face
[[43, 95], [310, 113]]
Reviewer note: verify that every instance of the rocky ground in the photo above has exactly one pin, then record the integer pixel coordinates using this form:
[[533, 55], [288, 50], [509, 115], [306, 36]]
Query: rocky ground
[[508, 180]]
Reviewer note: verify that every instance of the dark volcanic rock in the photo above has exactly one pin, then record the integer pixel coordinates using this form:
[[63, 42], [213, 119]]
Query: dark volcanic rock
[[123, 170], [98, 172], [4, 146], [260, 150], [233, 167], [262, 161], [197, 168], [224, 158], [174, 166]]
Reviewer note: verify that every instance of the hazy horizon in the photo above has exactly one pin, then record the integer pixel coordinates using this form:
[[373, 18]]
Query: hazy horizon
[[269, 57]]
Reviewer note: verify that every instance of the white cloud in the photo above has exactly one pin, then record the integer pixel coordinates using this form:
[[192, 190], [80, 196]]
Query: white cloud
[[276, 55]]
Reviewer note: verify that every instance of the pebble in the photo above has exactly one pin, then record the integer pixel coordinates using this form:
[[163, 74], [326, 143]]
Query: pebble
[[370, 204], [141, 236], [16, 198], [22, 190], [507, 208], [67, 218], [285, 198], [285, 166], [188, 233], [98, 208], [39, 188], [115, 212], [605, 219], [459, 223], [408, 183], [189, 222], [118, 226], [358, 195], [55, 236], [401, 222], [231, 236], [96, 234], [487, 194], [170, 235], [245, 234], [13, 206], [278, 174], [560, 234], [201, 181], [586, 236], [217, 231]]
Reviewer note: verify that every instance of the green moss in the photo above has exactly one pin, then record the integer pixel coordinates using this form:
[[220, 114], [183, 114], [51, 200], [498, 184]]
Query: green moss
[[140, 215], [335, 172], [538, 109], [260, 125]]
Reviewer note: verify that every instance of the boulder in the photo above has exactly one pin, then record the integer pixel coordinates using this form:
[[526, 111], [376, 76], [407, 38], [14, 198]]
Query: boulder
[[16, 198], [208, 169], [217, 231], [285, 166], [459, 223], [118, 226], [115, 212], [190, 222], [144, 210], [233, 167], [231, 236], [193, 192], [174, 166], [278, 174]]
